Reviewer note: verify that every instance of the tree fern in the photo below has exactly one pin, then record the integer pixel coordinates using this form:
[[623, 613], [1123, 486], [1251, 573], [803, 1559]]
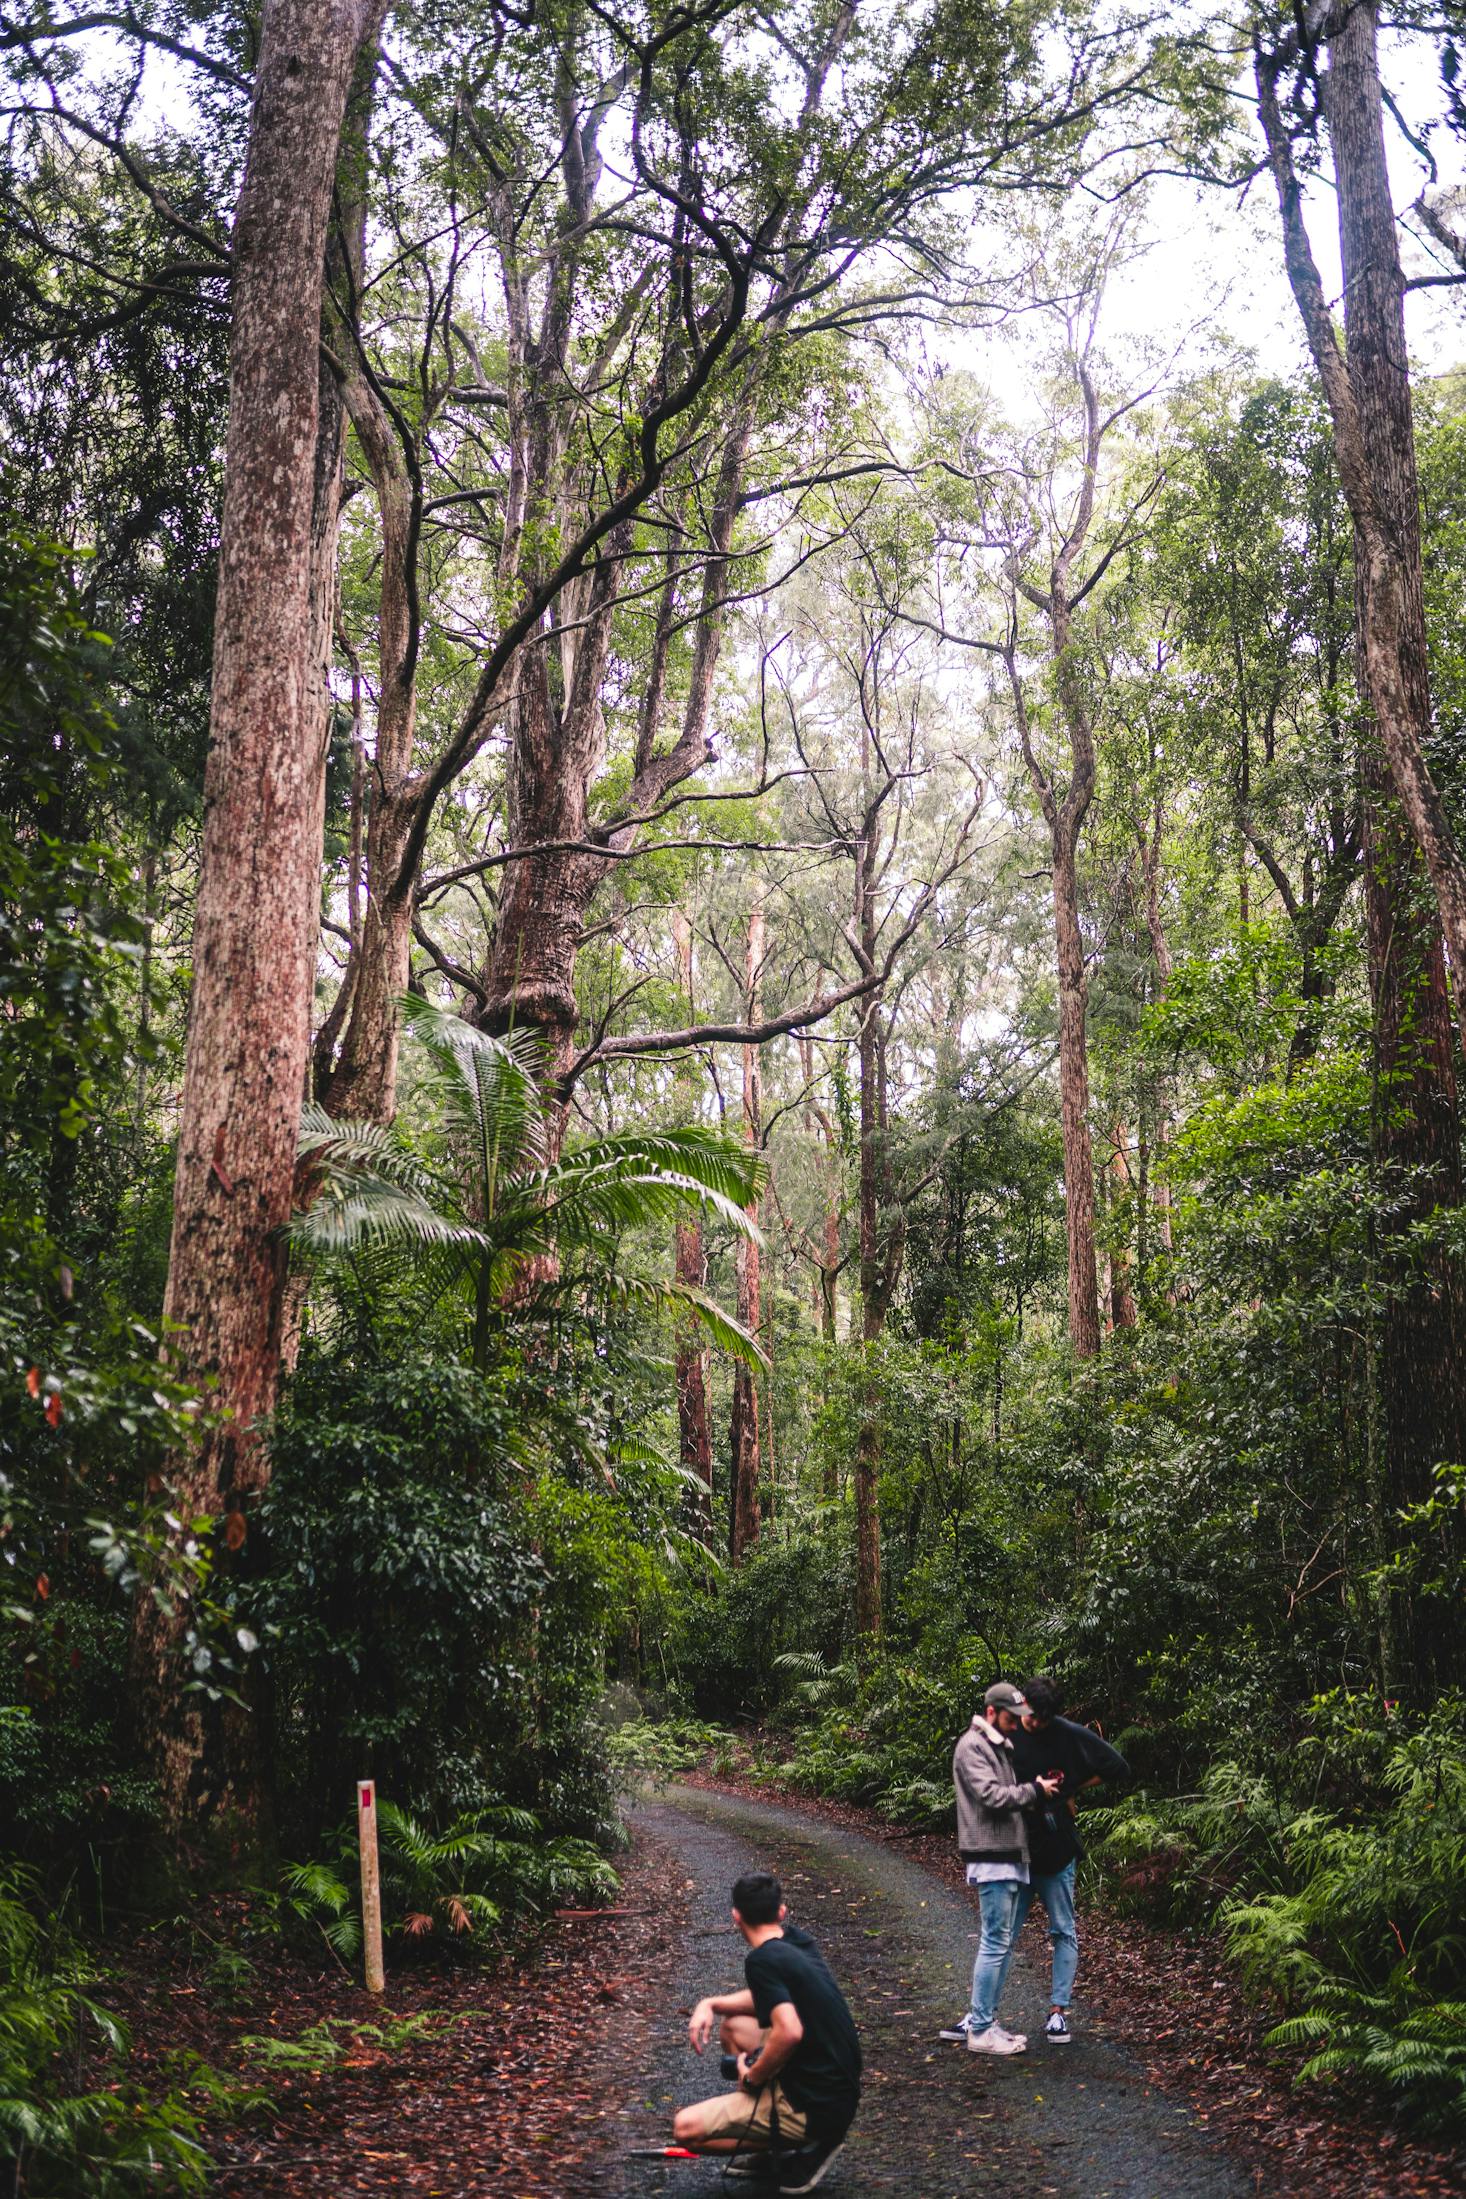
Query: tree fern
[[499, 1202]]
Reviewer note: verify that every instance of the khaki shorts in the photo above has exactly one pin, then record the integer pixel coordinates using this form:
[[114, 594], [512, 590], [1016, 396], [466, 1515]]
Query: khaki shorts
[[742, 2115]]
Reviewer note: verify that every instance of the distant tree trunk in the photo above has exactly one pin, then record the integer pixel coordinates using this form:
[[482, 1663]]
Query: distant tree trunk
[[1084, 1330], [1064, 814], [695, 1441], [1160, 948], [881, 1251], [557, 750], [1417, 1128], [744, 1467], [873, 1316], [249, 1020], [1122, 1294], [829, 1259]]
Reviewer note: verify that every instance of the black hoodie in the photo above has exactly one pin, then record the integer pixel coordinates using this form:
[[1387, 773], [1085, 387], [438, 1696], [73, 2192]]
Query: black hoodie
[[1079, 1753]]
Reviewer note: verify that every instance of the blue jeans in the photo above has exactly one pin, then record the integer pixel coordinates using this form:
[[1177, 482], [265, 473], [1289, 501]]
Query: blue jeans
[[1057, 1895], [1000, 1919]]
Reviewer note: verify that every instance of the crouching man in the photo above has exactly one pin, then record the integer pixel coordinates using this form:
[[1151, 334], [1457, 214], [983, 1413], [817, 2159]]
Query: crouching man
[[794, 2045]]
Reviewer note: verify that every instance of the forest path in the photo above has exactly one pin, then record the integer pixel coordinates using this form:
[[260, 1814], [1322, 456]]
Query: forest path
[[1076, 2122]]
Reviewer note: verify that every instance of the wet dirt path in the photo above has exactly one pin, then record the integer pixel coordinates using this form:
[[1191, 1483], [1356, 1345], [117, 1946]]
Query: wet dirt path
[[1076, 2122]]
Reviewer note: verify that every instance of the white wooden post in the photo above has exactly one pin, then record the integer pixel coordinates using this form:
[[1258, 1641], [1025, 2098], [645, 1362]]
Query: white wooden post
[[371, 1889]]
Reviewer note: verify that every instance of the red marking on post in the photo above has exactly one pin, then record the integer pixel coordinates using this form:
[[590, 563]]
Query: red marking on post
[[365, 1792]]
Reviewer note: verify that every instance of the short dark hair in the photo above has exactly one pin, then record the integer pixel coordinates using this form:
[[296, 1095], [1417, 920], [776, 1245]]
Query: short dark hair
[[1043, 1699], [758, 1897]]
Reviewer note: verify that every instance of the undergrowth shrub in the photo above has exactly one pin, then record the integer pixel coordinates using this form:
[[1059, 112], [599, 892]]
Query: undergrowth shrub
[[482, 1877], [1339, 1883], [72, 2121], [421, 1622]]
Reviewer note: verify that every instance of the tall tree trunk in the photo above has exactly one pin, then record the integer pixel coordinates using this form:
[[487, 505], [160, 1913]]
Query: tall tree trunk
[[744, 1516], [1417, 1154], [555, 755], [695, 1442], [880, 1252], [1368, 397], [1065, 818], [363, 1082], [1084, 1329], [249, 1020], [872, 1321], [1417, 1128]]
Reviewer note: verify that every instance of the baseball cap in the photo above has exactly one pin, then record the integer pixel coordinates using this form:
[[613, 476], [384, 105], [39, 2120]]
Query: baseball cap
[[1003, 1695]]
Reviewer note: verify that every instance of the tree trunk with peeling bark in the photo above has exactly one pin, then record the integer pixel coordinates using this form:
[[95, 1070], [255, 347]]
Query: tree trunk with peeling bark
[[249, 1019]]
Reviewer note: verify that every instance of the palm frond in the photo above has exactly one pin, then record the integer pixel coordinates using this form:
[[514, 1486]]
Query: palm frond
[[366, 1214], [708, 1158], [490, 1089], [349, 1149], [726, 1333], [587, 1194]]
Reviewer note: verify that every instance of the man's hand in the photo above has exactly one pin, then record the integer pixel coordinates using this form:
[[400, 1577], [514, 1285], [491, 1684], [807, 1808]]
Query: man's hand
[[1049, 1785], [700, 2028], [745, 2064]]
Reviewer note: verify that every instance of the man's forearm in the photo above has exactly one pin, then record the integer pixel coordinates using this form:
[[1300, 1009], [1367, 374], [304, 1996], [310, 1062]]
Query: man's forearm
[[770, 2058], [731, 2004]]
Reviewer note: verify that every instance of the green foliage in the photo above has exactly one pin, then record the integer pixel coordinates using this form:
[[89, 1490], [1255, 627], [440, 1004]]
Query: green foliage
[[653, 1751], [65, 2133], [85, 1408], [321, 2046]]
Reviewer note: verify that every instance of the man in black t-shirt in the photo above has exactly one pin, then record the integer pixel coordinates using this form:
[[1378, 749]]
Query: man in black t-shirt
[[797, 2049]]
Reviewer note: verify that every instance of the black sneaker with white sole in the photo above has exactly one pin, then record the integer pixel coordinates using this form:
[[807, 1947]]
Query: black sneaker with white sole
[[807, 2166], [1056, 2030], [955, 2034]]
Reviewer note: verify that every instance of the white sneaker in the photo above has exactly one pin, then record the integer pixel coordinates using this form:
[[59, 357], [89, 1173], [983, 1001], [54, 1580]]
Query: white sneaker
[[995, 2040]]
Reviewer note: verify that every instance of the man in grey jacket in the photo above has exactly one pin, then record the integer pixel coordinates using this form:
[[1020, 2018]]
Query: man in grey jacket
[[993, 1840]]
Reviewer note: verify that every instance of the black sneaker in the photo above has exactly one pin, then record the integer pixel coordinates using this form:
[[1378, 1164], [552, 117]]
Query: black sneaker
[[802, 2170], [955, 2034], [749, 2168]]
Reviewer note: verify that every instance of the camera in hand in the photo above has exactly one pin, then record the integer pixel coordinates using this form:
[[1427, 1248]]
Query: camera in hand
[[728, 2069]]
